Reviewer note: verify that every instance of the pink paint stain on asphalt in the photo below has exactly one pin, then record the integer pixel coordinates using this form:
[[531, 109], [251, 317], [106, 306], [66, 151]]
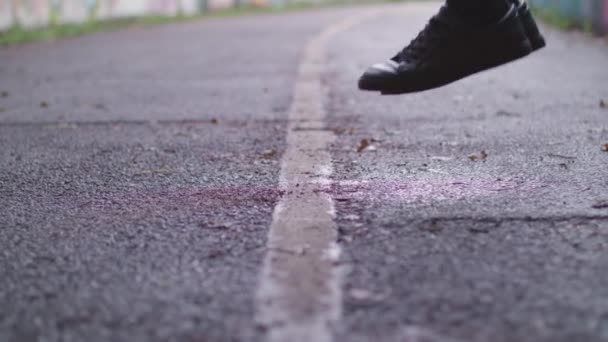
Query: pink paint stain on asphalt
[[248, 195]]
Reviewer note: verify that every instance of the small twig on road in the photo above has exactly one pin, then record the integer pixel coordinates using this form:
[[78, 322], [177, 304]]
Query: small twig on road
[[554, 155]]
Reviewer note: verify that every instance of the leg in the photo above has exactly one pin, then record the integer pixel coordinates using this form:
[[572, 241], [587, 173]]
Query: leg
[[480, 12]]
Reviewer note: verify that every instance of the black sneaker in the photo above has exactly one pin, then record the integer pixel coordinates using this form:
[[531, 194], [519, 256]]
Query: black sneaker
[[449, 49], [534, 36]]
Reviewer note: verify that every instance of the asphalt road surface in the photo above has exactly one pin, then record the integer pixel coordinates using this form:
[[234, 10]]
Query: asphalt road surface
[[208, 181]]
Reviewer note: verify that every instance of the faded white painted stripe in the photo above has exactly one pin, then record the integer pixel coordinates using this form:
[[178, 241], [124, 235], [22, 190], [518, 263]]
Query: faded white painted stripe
[[299, 296]]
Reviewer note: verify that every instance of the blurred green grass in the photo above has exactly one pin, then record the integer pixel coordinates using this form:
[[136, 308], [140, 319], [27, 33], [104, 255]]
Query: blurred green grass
[[558, 19], [554, 18], [19, 35]]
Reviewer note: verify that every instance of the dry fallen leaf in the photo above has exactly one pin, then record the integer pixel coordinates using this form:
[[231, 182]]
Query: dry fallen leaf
[[479, 157], [269, 154], [605, 147], [363, 145]]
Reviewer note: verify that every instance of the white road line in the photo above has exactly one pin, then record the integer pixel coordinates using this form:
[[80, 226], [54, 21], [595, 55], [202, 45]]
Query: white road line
[[299, 296]]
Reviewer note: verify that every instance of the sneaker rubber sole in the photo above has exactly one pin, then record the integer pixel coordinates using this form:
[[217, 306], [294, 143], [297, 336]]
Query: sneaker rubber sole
[[522, 49]]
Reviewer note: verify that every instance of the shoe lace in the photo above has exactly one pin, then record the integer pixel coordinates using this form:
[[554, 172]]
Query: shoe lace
[[433, 33]]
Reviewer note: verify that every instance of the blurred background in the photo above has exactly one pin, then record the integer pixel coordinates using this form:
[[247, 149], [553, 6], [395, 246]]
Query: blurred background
[[18, 17]]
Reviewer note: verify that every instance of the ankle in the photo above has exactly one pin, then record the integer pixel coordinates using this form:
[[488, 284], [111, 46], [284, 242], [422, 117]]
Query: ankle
[[480, 12]]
